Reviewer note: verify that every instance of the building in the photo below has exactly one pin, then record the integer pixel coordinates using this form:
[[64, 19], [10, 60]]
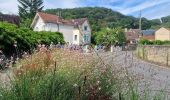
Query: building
[[75, 31], [162, 34], [148, 35], [132, 35]]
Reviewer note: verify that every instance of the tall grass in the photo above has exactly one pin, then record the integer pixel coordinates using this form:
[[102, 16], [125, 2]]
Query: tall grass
[[68, 75]]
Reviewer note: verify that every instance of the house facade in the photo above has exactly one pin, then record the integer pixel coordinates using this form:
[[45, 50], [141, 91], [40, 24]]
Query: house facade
[[75, 31], [162, 34], [132, 35]]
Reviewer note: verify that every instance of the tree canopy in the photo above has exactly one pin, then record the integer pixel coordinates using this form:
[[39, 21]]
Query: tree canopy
[[28, 8], [108, 36]]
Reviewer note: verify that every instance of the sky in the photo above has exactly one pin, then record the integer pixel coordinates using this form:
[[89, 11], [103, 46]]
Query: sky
[[150, 9]]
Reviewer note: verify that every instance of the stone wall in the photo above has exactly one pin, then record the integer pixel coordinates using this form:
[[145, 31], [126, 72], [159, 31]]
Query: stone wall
[[156, 54]]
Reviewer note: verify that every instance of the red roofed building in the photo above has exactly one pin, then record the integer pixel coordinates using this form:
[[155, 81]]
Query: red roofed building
[[75, 31], [132, 35]]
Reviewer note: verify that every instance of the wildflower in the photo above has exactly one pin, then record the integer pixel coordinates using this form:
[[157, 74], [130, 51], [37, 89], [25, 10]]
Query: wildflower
[[75, 85], [98, 82], [99, 88]]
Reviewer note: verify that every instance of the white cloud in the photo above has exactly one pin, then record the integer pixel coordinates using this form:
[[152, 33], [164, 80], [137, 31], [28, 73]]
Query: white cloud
[[142, 6], [157, 12], [61, 3]]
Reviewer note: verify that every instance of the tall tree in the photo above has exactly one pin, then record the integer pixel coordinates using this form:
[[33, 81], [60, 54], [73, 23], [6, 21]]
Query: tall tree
[[28, 8]]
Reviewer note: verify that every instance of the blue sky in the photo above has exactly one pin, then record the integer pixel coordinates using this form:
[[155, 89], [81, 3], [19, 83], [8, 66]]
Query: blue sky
[[151, 9]]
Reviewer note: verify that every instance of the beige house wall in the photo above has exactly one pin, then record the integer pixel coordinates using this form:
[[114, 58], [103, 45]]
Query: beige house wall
[[162, 34]]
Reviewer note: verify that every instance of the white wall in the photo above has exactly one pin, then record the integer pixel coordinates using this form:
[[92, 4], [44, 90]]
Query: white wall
[[67, 33], [77, 32], [39, 25], [86, 32], [162, 34]]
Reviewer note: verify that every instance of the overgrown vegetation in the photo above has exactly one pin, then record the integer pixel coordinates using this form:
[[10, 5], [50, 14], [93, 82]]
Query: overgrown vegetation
[[25, 39], [69, 75]]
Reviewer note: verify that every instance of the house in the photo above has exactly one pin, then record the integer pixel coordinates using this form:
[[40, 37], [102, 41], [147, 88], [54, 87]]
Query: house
[[148, 35], [162, 34], [10, 18], [75, 31], [132, 35]]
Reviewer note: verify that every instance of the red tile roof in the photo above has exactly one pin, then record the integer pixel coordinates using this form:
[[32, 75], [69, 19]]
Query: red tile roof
[[49, 18]]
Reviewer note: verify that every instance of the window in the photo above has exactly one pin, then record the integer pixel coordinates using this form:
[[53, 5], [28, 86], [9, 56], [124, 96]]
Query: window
[[86, 38], [75, 37], [85, 28]]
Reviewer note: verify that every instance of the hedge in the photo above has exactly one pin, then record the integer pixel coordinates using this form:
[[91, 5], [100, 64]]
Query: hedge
[[156, 42], [26, 39]]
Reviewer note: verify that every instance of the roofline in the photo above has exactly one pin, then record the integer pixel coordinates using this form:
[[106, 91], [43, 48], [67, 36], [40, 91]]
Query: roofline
[[37, 14]]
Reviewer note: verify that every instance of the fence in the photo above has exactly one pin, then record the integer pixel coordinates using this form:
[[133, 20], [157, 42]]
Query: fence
[[155, 53]]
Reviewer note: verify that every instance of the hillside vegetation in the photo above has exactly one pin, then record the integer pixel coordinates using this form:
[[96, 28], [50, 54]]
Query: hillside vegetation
[[165, 22], [101, 17]]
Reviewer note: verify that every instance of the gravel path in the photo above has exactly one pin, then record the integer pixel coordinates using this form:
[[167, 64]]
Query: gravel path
[[149, 75]]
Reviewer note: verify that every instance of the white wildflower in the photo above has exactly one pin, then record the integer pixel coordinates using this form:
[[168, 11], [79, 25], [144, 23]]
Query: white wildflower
[[75, 85]]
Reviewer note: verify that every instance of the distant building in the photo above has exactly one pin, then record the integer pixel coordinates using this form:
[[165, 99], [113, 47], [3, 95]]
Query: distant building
[[148, 35], [10, 18], [162, 34], [132, 35], [75, 31]]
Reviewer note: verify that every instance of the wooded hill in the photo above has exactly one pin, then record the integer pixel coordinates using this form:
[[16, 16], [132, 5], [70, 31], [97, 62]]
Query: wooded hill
[[100, 17]]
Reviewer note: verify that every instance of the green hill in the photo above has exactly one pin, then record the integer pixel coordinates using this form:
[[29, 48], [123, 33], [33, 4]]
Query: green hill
[[163, 22], [100, 17]]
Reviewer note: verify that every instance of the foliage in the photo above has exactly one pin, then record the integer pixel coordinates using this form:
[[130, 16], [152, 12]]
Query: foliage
[[163, 22], [109, 36], [25, 38], [156, 42], [28, 8]]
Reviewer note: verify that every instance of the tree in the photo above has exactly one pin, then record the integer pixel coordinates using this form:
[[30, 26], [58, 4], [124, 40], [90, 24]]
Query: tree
[[109, 36], [28, 8]]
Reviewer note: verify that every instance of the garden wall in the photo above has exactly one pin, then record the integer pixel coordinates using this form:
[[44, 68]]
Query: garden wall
[[155, 53]]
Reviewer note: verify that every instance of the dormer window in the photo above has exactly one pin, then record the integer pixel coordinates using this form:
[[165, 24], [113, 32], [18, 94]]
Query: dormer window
[[85, 28]]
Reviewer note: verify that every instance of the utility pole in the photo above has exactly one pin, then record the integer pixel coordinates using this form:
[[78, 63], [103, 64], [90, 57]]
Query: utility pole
[[140, 22]]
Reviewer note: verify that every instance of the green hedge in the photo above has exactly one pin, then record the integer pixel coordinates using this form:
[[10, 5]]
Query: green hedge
[[26, 39], [156, 42]]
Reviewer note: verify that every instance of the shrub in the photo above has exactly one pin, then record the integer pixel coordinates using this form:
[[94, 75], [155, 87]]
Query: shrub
[[25, 38], [156, 42]]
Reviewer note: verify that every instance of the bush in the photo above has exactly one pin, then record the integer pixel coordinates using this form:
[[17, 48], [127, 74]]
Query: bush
[[25, 38], [156, 42]]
